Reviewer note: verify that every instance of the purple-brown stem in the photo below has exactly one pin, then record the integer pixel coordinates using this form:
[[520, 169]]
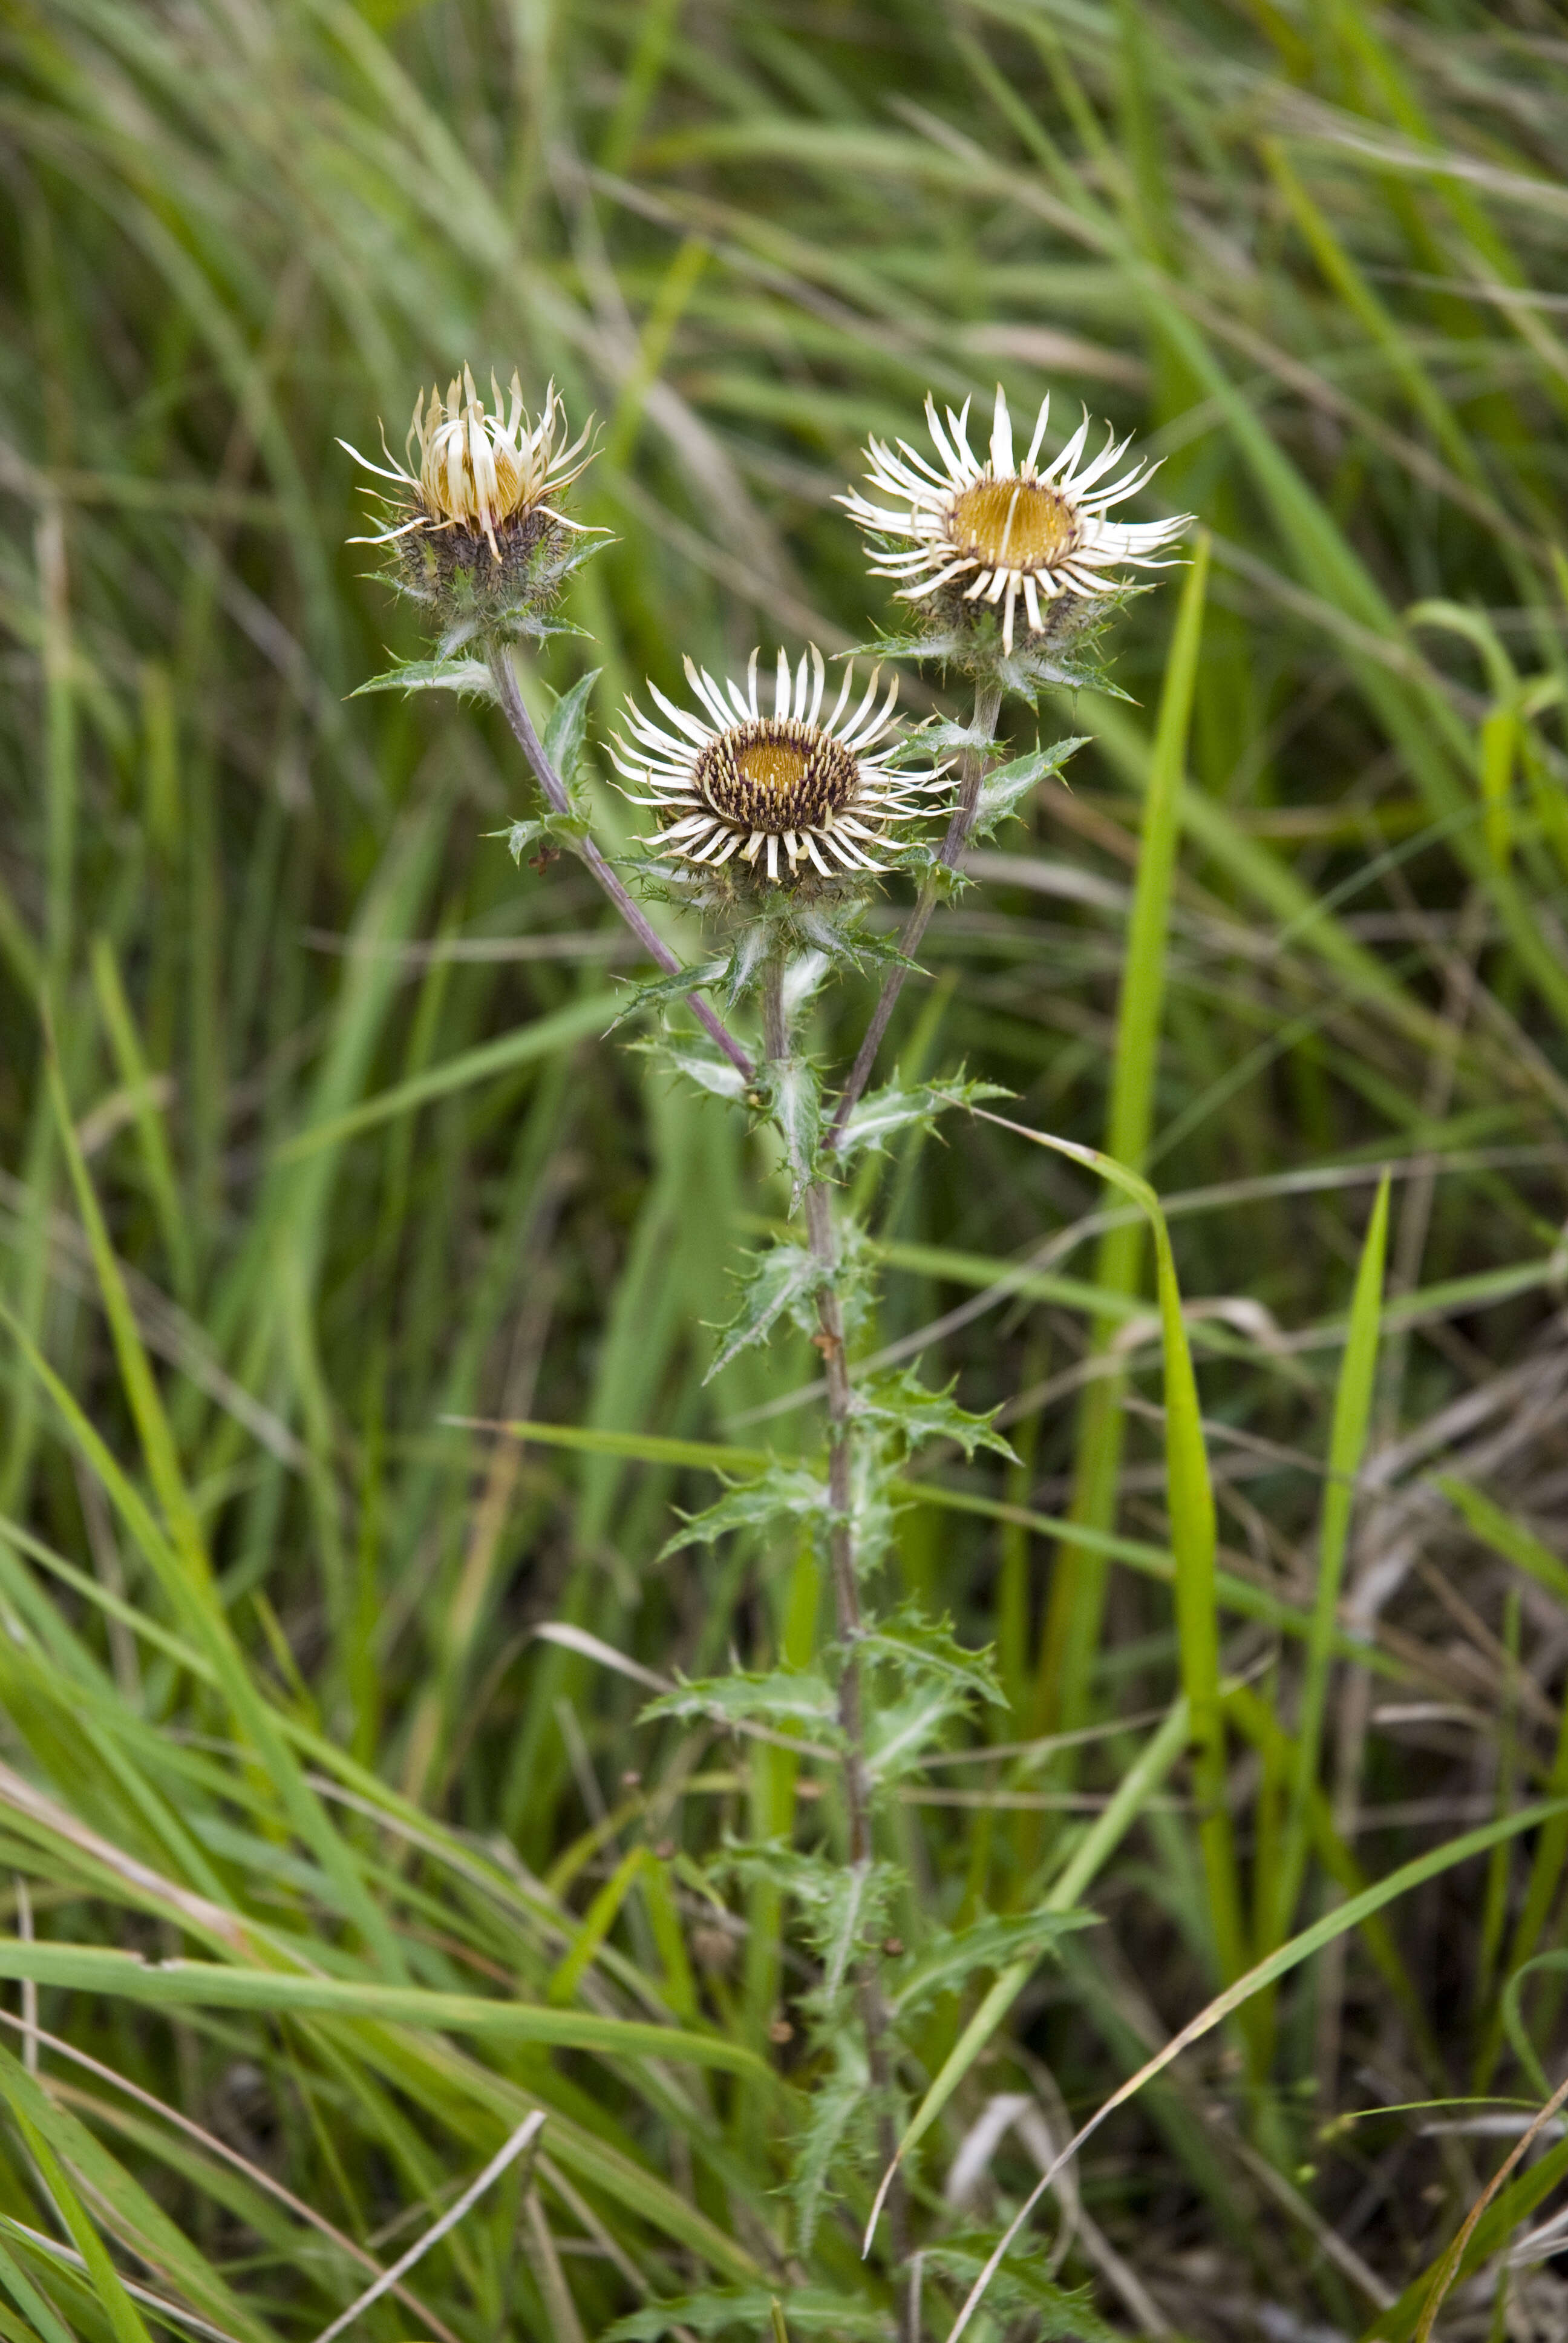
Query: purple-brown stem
[[972, 766], [637, 919]]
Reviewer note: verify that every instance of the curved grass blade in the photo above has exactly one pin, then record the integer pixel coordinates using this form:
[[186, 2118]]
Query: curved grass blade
[[209, 1985], [1190, 1498], [1137, 1786], [1266, 1973]]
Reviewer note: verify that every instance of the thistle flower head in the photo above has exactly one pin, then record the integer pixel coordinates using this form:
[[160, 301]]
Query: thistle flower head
[[476, 521], [1009, 531], [788, 798]]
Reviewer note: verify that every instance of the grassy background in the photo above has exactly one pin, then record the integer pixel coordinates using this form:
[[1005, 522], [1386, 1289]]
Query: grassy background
[[334, 1068]]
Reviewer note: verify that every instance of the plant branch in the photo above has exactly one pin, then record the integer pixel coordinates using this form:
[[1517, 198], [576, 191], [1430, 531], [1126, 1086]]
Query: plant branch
[[637, 919], [830, 1340], [851, 1707], [987, 707]]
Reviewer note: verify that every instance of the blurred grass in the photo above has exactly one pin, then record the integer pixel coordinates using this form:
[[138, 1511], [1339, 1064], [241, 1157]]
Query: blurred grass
[[331, 1066]]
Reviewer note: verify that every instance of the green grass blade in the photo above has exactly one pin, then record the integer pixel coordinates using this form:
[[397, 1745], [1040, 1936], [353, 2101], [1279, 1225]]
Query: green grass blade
[[207, 1985], [1347, 1445], [1192, 1541], [1259, 1978], [501, 1056], [1070, 1637], [134, 1072], [195, 1604]]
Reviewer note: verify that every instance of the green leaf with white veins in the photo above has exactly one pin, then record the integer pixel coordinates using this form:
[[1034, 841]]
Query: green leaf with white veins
[[785, 1493], [794, 1099], [783, 1278], [785, 1697], [1023, 2289], [469, 676], [874, 1508], [565, 732], [945, 735], [883, 1113], [720, 1075], [840, 2111], [662, 991], [902, 1732], [840, 1904], [1003, 792]]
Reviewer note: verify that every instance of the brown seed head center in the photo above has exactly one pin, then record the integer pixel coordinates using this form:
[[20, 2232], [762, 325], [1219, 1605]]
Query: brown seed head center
[[1013, 524], [777, 776]]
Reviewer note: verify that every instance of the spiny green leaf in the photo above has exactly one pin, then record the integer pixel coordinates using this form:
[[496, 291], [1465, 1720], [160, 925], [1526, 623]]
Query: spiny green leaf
[[905, 1406], [904, 1731], [660, 991], [567, 726], [783, 1278], [469, 676], [794, 1098], [916, 1647], [705, 1068], [880, 1114], [1023, 2284], [832, 930], [512, 620], [875, 1505], [839, 2117], [947, 735], [790, 1492], [545, 829], [840, 1905], [1003, 791]]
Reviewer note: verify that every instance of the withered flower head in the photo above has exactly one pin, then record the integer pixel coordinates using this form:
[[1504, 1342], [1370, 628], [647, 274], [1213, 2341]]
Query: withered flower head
[[476, 522], [788, 799]]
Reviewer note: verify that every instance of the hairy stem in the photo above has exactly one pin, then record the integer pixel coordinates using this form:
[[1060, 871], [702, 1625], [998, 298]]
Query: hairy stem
[[830, 1340], [971, 772], [851, 1709], [637, 919], [831, 1343], [775, 1023]]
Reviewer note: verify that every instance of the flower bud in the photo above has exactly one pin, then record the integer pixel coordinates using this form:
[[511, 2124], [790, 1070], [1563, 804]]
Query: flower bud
[[476, 527]]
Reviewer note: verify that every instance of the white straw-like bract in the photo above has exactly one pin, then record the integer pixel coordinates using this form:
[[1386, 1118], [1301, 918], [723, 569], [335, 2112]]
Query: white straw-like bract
[[480, 469], [790, 794], [1013, 530]]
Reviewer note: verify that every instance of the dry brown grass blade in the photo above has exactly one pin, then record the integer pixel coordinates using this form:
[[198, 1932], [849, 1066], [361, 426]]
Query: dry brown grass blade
[[1448, 2268]]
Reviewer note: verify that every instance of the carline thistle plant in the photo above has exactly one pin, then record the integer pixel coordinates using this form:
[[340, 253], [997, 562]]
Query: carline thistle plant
[[776, 824]]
